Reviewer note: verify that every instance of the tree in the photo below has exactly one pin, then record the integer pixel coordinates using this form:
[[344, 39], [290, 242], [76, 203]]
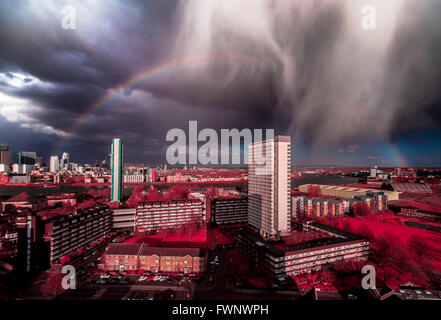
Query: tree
[[135, 197], [325, 275], [178, 192], [65, 259], [52, 287], [92, 192], [364, 231], [418, 243], [348, 226], [153, 194]]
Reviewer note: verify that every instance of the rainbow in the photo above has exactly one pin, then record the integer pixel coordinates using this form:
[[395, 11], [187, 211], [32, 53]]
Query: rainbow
[[395, 154], [146, 75], [392, 151], [174, 66]]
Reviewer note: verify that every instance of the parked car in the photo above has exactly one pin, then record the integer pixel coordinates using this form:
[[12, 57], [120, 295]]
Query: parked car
[[142, 278], [105, 276], [100, 281]]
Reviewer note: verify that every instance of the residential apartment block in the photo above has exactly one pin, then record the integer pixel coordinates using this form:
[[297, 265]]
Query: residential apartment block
[[282, 261], [43, 239], [316, 207], [168, 214], [229, 210], [269, 184]]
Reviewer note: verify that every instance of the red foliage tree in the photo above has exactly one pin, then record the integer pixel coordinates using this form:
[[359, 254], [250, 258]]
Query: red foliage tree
[[135, 197], [177, 192], [153, 194], [65, 259], [325, 275], [364, 231], [52, 287], [418, 244], [92, 192]]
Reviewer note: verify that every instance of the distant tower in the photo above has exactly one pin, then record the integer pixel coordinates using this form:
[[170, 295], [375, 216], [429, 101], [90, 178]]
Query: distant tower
[[64, 164], [269, 186], [373, 172], [27, 157], [5, 155], [117, 162], [54, 164]]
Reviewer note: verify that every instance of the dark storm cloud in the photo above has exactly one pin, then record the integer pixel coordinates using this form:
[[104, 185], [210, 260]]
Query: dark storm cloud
[[311, 66], [305, 68], [413, 82]]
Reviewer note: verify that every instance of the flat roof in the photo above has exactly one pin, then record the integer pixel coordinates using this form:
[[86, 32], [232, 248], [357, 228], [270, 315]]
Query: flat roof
[[124, 248], [175, 252], [342, 237]]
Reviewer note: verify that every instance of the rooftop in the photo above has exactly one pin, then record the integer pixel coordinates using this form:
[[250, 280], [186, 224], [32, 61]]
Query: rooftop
[[21, 197], [336, 236], [143, 249], [124, 248]]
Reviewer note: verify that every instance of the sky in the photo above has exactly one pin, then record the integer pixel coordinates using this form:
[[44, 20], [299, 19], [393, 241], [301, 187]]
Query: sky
[[308, 69]]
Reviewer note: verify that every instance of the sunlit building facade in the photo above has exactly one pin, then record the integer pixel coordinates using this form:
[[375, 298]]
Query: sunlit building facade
[[269, 185]]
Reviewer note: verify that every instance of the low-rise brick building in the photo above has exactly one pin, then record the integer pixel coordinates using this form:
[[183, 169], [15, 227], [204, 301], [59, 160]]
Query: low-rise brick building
[[143, 258]]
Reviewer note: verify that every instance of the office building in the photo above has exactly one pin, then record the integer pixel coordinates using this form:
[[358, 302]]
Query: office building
[[134, 178], [269, 185], [64, 162], [27, 158], [117, 163], [151, 175], [54, 165], [5, 155]]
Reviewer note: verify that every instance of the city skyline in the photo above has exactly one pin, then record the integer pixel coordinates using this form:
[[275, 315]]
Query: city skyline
[[74, 94], [245, 155]]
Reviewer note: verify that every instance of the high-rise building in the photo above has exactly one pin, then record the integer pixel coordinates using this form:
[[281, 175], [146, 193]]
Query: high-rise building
[[26, 157], [117, 160], [54, 164], [373, 172], [5, 155], [269, 184], [64, 163]]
